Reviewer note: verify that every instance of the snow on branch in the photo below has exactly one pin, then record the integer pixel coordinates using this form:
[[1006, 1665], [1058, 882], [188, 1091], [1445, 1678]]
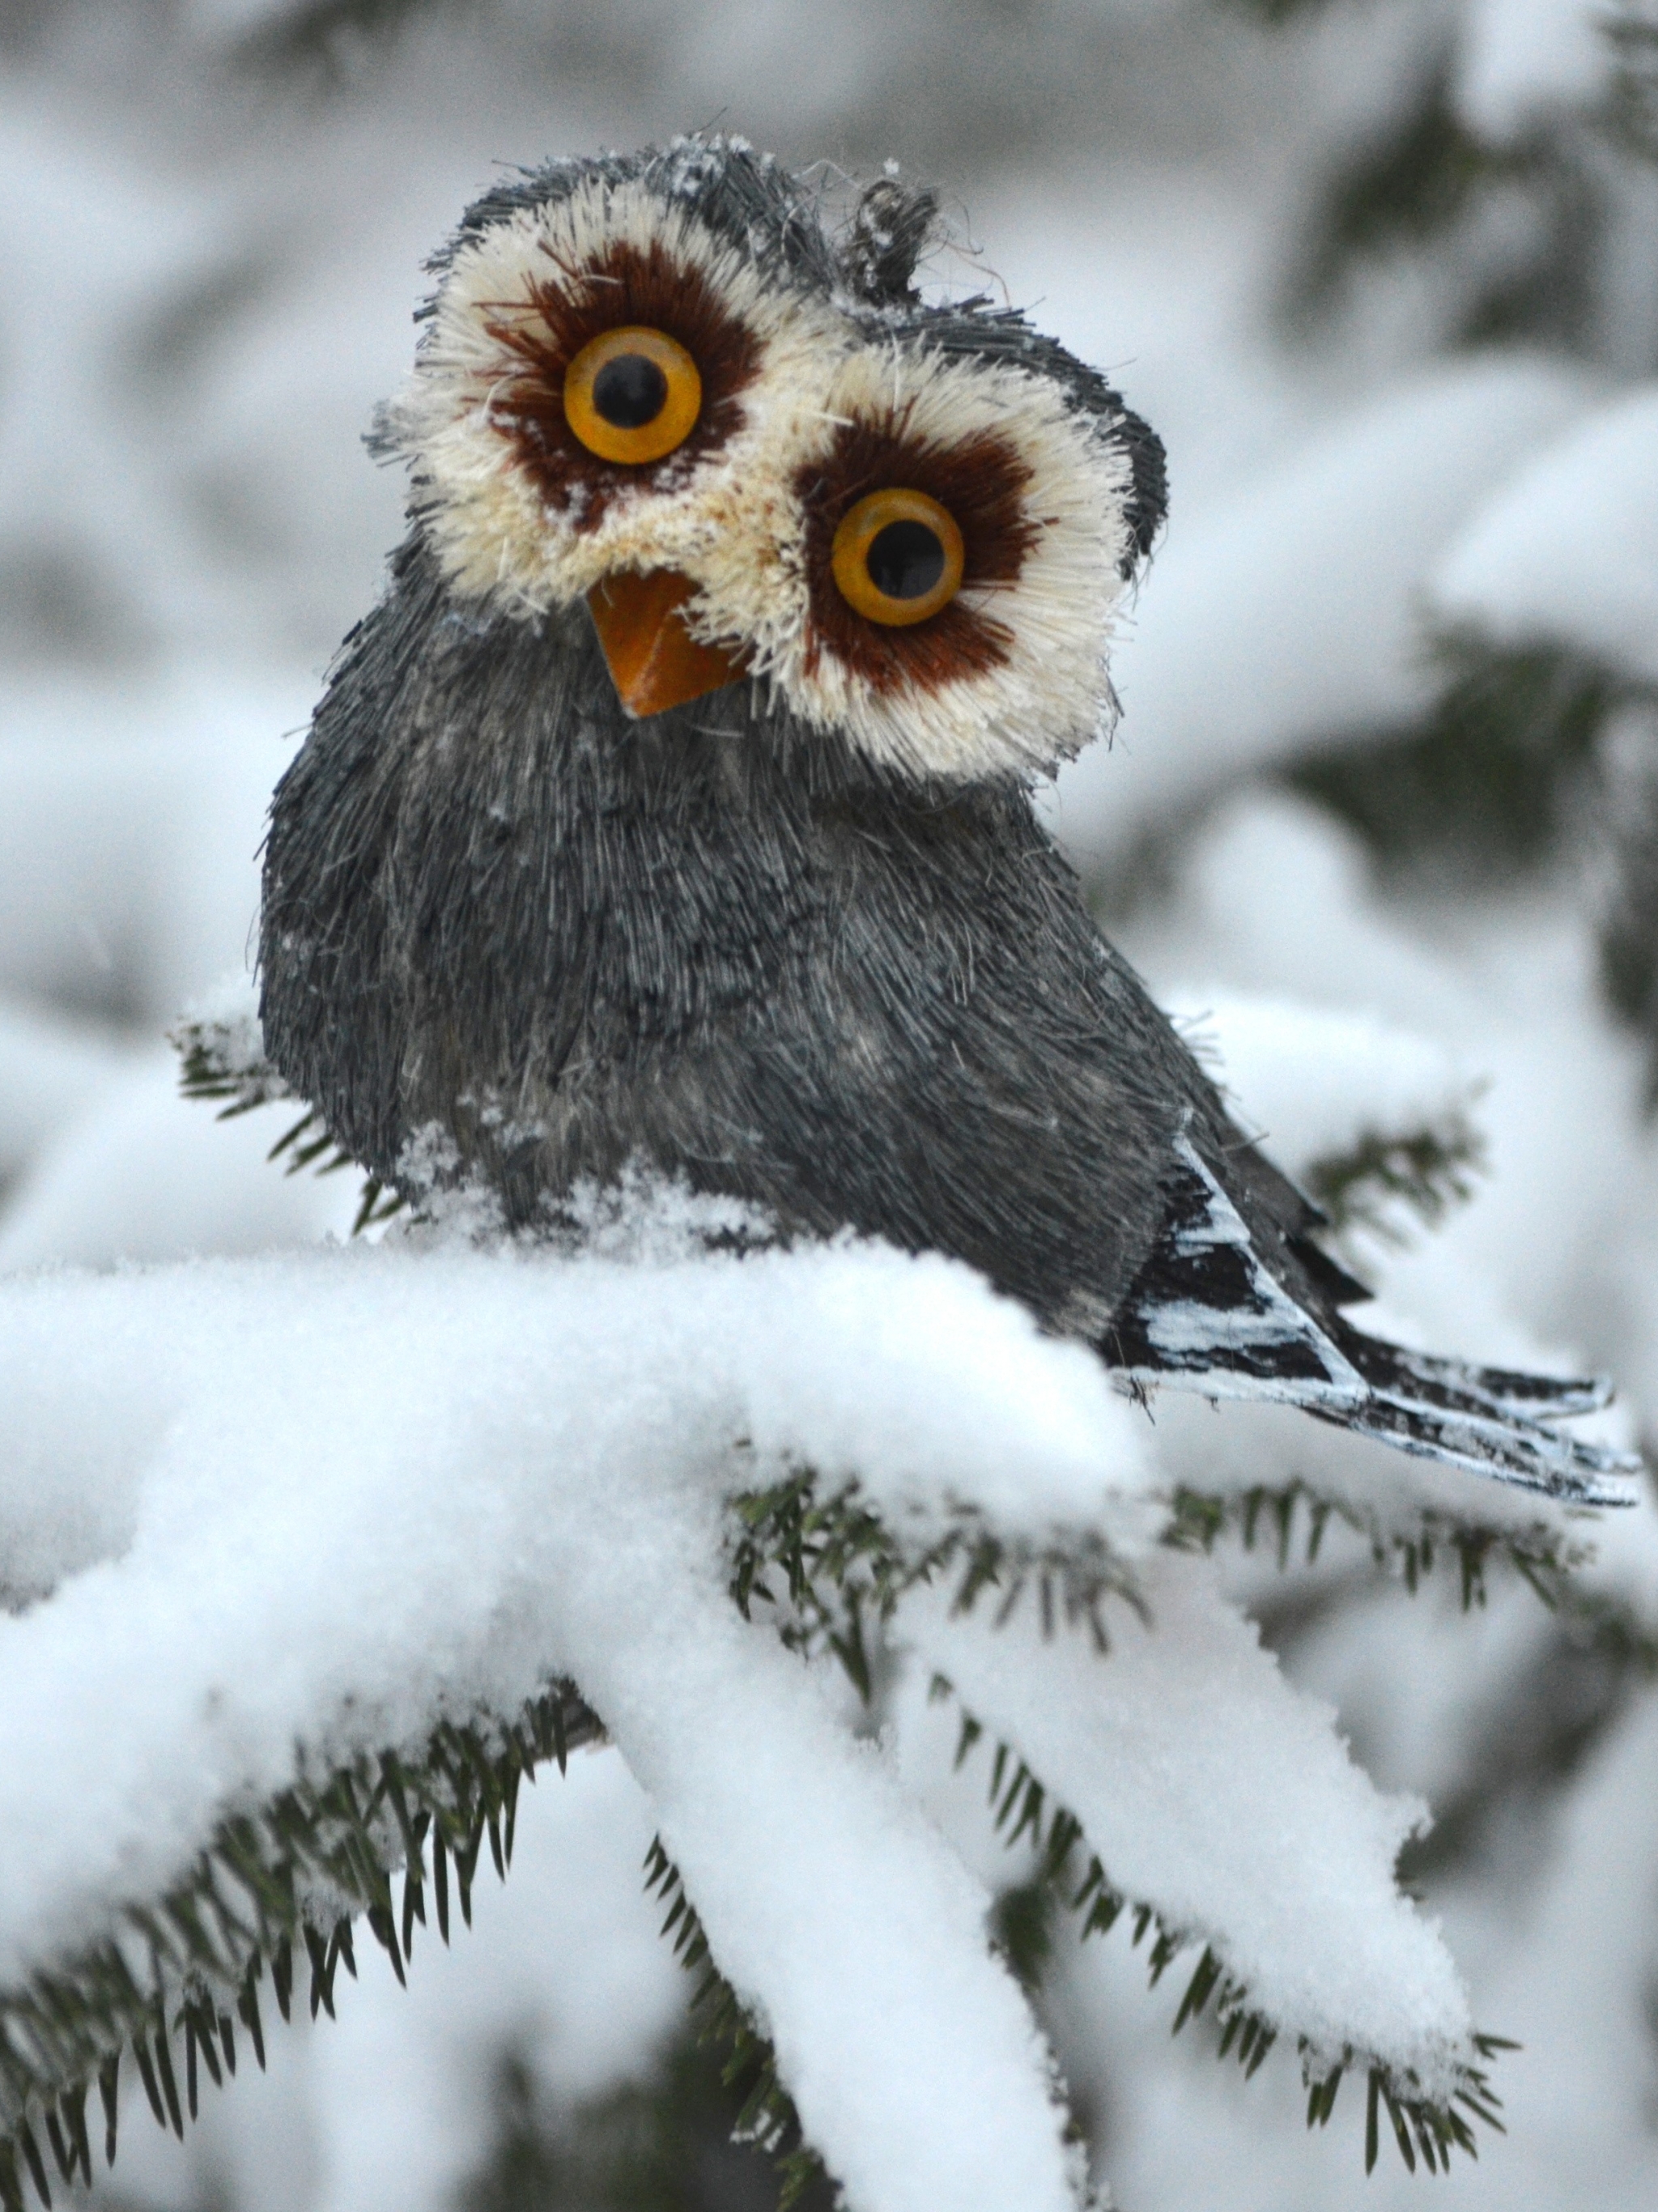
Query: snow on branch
[[1160, 1751], [221, 1047], [1375, 1122], [344, 1498], [312, 1558], [275, 1887], [1222, 1797]]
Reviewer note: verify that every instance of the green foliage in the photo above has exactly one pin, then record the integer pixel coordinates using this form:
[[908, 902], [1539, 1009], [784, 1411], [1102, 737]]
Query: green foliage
[[325, 42], [1489, 780], [1277, 12], [306, 1142], [274, 1892], [1024, 1924], [1426, 183], [1629, 964], [224, 1061], [1633, 32], [1296, 1517], [1551, 1713], [1556, 1706], [219, 1062], [841, 1572], [662, 2143], [1429, 1171], [1406, 186], [767, 2116], [1022, 1812], [1628, 821], [841, 1576]]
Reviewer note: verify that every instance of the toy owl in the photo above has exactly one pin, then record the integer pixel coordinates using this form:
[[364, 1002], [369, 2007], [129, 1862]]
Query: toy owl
[[673, 806]]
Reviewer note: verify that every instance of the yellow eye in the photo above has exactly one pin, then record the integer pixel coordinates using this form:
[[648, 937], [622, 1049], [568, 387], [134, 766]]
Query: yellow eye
[[898, 556], [632, 395]]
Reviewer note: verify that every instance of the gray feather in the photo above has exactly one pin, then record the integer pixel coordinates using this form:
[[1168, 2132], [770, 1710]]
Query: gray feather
[[732, 948]]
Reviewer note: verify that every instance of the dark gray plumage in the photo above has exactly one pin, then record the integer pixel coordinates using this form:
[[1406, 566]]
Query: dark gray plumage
[[737, 948]]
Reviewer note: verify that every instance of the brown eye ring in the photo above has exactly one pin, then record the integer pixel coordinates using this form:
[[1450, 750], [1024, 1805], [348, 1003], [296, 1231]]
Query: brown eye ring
[[898, 557], [632, 395]]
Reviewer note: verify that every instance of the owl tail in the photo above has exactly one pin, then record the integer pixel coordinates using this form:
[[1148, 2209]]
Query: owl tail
[[1207, 1313]]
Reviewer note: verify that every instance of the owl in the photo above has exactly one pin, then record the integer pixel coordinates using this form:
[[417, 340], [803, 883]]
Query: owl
[[673, 807]]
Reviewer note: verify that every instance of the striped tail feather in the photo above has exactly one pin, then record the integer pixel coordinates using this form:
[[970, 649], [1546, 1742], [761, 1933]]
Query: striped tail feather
[[1207, 1313], [1471, 1417]]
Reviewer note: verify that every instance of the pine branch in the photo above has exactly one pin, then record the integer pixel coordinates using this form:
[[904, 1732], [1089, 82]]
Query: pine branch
[[841, 1571], [1489, 779], [325, 42], [275, 1891], [1426, 184], [834, 1573], [1634, 106], [224, 1058], [1295, 1518], [768, 2118], [1429, 1171], [1422, 2124]]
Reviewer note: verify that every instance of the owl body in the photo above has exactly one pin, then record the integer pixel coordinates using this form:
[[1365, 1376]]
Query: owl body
[[673, 807], [497, 908]]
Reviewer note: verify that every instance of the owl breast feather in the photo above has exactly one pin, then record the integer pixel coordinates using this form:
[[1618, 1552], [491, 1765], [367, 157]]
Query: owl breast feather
[[713, 944]]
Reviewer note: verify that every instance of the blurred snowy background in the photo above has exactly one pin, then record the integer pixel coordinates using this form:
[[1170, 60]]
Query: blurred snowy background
[[1382, 819]]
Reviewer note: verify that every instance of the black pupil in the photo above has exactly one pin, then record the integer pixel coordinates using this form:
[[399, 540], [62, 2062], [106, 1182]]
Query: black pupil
[[629, 392], [905, 560]]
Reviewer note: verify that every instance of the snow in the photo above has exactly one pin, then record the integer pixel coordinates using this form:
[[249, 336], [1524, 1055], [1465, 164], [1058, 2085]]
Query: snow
[[138, 1172], [1516, 56], [1188, 1759], [210, 284], [130, 817], [49, 1064], [1565, 552], [1311, 1082], [69, 494], [320, 1500], [1331, 1012], [324, 1500], [1286, 616]]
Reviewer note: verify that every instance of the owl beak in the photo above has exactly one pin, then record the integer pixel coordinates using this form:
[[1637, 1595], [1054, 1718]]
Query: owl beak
[[653, 660]]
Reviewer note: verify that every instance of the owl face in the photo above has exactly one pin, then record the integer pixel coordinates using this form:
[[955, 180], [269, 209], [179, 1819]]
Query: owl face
[[655, 384]]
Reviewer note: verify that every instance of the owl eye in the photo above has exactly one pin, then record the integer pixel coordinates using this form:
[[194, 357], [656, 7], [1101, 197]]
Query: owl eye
[[632, 395], [898, 557]]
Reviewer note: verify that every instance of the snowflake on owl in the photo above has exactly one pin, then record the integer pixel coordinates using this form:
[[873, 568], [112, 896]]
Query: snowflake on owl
[[672, 810]]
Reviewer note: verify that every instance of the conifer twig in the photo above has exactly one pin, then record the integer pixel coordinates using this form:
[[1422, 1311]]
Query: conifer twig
[[273, 1893]]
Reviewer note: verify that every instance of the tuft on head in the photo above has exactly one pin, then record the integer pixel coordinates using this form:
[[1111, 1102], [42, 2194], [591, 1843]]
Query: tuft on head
[[892, 227]]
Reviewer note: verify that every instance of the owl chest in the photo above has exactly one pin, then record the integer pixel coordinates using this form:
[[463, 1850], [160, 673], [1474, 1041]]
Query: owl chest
[[636, 931]]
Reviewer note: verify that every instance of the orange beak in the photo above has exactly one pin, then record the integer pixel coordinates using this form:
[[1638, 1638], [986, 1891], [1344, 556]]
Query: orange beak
[[653, 660]]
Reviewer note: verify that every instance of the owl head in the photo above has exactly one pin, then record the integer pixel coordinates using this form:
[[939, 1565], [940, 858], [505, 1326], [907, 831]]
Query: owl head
[[660, 384]]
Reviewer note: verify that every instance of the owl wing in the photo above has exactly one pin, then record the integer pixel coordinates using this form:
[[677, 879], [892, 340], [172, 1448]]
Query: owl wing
[[1018, 1100], [1240, 1312]]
